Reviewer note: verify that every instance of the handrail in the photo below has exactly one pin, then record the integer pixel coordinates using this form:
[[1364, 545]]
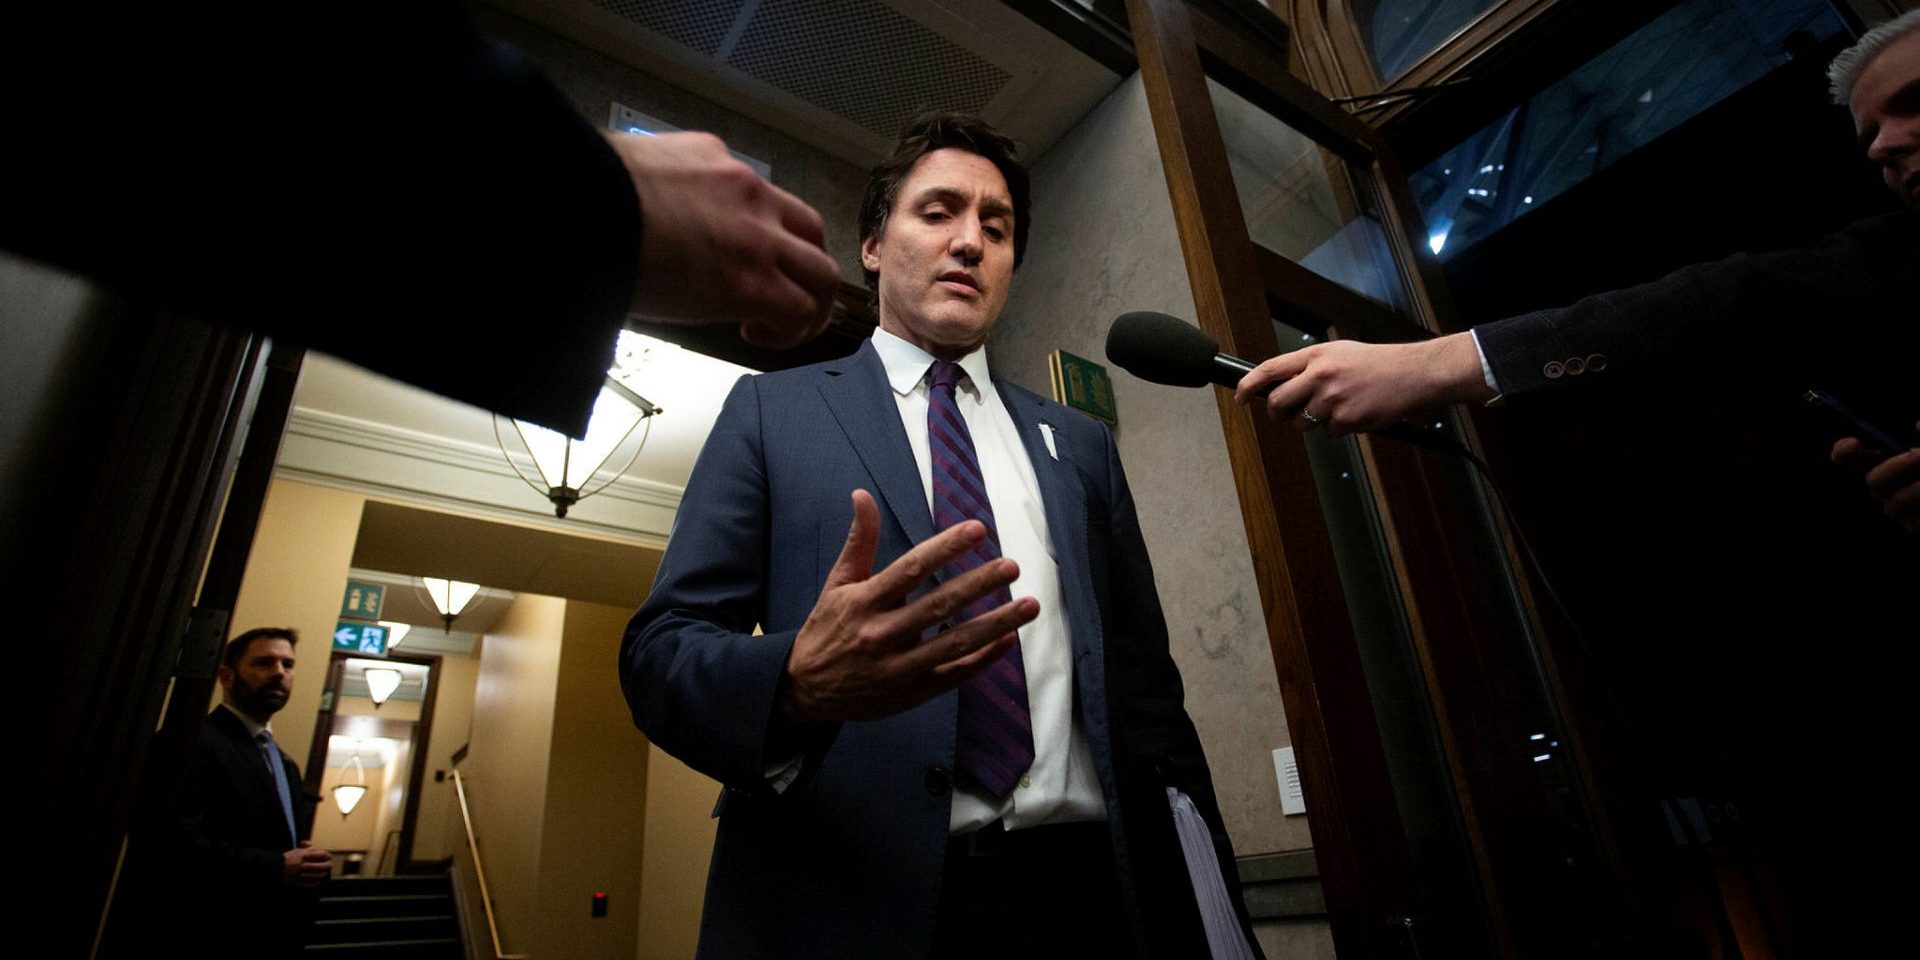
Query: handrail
[[473, 849]]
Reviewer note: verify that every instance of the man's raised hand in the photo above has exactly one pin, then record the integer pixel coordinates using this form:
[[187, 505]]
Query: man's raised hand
[[720, 245], [863, 655]]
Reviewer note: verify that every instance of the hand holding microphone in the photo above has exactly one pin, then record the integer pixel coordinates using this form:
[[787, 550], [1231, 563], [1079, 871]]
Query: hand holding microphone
[[1350, 387], [1345, 386]]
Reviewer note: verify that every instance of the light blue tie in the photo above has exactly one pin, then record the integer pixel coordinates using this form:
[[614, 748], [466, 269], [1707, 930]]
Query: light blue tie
[[280, 785]]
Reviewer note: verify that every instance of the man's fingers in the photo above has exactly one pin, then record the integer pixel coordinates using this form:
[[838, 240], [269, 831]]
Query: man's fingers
[[801, 220], [1290, 397], [1894, 474], [913, 568], [953, 673], [966, 640], [855, 562], [1279, 368], [1904, 505], [948, 600], [778, 313]]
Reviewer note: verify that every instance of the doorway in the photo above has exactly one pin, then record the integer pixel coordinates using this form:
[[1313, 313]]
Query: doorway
[[368, 759]]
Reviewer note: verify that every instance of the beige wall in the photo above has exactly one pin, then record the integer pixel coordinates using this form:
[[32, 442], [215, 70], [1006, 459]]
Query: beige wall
[[390, 802], [596, 790], [1092, 258], [679, 844], [438, 832], [354, 831], [295, 577], [1104, 243], [506, 771], [377, 812]]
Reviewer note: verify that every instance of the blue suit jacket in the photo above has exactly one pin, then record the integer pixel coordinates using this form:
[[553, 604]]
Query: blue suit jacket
[[847, 861]]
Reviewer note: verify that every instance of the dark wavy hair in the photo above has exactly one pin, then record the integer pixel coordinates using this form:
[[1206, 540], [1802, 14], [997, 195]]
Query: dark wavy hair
[[237, 647], [939, 131]]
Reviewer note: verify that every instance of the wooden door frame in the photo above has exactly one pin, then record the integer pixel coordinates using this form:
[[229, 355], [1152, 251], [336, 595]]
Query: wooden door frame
[[1477, 693], [1359, 841], [422, 736]]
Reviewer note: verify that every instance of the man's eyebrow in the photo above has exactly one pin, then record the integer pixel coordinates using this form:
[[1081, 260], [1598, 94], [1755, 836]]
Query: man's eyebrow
[[991, 207]]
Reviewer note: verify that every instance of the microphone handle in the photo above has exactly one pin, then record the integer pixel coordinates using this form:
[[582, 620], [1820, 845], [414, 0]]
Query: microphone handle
[[1227, 370]]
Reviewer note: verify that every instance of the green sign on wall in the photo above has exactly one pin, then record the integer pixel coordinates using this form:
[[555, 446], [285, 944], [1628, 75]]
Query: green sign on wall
[[363, 600], [1083, 385], [360, 638]]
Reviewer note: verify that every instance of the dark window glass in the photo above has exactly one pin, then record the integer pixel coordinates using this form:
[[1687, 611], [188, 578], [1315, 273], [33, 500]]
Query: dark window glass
[[1685, 61], [1398, 33]]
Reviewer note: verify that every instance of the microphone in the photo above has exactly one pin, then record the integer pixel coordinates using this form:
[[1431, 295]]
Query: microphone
[[1167, 350]]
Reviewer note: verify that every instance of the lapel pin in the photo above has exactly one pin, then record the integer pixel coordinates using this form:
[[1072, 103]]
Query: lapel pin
[[1046, 433]]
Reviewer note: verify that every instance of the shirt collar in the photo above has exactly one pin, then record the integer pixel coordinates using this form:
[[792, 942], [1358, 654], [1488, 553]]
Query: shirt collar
[[253, 727], [907, 364]]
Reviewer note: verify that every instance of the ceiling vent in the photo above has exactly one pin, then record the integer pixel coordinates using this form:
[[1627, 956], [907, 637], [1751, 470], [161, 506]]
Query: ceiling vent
[[857, 59], [843, 75], [700, 24]]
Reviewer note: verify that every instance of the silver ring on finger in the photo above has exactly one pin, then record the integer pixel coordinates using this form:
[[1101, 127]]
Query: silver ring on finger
[[1312, 421]]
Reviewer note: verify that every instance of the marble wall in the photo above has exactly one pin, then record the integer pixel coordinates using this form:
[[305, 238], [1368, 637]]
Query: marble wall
[[1104, 243]]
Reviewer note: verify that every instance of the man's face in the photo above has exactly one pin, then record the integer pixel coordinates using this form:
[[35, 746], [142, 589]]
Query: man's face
[[261, 683], [1886, 114], [945, 254]]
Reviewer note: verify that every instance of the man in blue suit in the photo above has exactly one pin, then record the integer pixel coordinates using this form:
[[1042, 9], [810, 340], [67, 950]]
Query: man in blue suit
[[961, 730]]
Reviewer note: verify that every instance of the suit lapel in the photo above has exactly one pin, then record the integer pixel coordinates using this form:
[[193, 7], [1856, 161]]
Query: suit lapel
[[862, 402]]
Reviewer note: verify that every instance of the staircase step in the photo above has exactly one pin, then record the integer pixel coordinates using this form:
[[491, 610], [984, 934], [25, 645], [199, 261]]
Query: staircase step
[[438, 948], [380, 929], [404, 905], [385, 886]]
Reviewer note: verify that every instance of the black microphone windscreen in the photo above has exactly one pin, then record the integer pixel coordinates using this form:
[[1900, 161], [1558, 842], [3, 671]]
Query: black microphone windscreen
[[1161, 349]]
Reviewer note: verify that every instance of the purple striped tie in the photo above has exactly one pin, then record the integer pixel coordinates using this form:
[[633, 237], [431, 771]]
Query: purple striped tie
[[996, 732]]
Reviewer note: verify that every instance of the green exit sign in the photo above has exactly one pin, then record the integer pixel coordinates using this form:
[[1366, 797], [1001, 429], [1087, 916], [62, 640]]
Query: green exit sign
[[1083, 385], [362, 600], [360, 638]]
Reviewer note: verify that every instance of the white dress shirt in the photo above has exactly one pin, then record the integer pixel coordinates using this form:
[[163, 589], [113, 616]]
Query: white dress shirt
[[1061, 786]]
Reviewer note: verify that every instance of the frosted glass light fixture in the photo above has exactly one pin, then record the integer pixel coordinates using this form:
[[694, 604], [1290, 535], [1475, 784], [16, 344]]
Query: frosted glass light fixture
[[381, 683], [395, 633], [346, 796], [449, 596], [567, 467]]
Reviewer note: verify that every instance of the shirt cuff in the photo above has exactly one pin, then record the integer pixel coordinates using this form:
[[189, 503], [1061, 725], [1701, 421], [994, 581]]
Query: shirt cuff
[[780, 776], [1486, 369]]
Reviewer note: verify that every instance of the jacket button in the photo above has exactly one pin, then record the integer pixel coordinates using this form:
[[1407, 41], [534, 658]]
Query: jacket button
[[1553, 369], [939, 781], [1596, 362], [1576, 366]]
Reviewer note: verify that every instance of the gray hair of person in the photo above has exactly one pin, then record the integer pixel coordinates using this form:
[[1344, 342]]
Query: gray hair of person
[[1846, 68]]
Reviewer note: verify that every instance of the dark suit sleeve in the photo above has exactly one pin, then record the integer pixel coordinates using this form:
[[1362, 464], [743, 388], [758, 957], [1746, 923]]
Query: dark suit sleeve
[[377, 182], [700, 683], [1726, 318], [1147, 686], [191, 816]]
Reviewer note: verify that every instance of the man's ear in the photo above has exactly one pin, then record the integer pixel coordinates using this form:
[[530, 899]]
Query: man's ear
[[870, 251], [224, 674]]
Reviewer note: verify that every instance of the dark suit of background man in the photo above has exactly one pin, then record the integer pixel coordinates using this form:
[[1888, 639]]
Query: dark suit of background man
[[220, 862], [968, 752]]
